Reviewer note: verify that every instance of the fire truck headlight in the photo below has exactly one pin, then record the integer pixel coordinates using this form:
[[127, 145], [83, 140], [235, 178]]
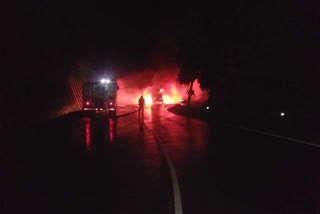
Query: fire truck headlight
[[103, 80], [107, 81]]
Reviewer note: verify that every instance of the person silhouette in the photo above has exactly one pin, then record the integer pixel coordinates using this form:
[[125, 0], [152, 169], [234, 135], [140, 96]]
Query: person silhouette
[[141, 104]]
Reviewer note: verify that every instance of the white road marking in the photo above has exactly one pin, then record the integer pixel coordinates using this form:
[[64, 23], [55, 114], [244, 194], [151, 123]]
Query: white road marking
[[175, 183], [174, 178], [273, 135]]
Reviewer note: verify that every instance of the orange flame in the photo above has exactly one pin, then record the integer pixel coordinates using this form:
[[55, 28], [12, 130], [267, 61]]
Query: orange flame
[[170, 97], [173, 96], [160, 80], [147, 97]]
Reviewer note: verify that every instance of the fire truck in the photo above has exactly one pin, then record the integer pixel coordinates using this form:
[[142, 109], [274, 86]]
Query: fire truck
[[100, 96]]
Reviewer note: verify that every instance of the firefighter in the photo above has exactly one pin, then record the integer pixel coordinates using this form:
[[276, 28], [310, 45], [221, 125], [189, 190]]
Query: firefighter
[[141, 103]]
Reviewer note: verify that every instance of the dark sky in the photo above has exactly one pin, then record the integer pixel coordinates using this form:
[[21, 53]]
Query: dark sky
[[96, 31], [104, 32], [40, 39]]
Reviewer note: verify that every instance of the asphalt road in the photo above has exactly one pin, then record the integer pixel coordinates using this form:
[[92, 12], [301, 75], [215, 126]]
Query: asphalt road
[[155, 162]]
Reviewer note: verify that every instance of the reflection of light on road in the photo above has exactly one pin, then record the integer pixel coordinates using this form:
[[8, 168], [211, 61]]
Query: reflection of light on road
[[88, 141], [197, 132], [148, 110], [111, 130], [153, 148]]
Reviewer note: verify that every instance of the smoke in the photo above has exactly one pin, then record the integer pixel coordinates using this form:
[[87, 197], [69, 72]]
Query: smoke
[[199, 95], [150, 81], [132, 85], [160, 72]]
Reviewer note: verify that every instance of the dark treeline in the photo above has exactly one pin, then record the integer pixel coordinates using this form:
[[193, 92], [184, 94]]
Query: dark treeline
[[253, 54]]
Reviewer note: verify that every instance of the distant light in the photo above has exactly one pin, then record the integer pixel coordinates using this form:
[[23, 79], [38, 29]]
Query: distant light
[[110, 103], [282, 114], [96, 109], [101, 109], [103, 81], [161, 90], [107, 81], [207, 107], [87, 103]]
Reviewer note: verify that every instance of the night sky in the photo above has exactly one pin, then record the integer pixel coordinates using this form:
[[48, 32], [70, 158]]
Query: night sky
[[42, 40], [105, 33], [95, 31]]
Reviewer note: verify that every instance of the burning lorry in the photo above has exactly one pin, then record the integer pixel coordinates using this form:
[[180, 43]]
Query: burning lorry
[[100, 96]]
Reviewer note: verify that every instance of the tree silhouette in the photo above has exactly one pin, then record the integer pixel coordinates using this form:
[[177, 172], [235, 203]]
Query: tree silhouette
[[189, 44], [211, 46]]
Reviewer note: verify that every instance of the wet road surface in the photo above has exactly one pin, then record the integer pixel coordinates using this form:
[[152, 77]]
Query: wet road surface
[[128, 164]]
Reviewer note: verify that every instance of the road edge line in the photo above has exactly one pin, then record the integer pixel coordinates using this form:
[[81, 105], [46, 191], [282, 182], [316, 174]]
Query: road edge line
[[175, 184], [174, 177], [273, 135]]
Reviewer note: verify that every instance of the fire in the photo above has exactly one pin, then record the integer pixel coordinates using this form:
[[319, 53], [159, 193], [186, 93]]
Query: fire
[[170, 96], [152, 83], [147, 97], [173, 96], [167, 99]]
